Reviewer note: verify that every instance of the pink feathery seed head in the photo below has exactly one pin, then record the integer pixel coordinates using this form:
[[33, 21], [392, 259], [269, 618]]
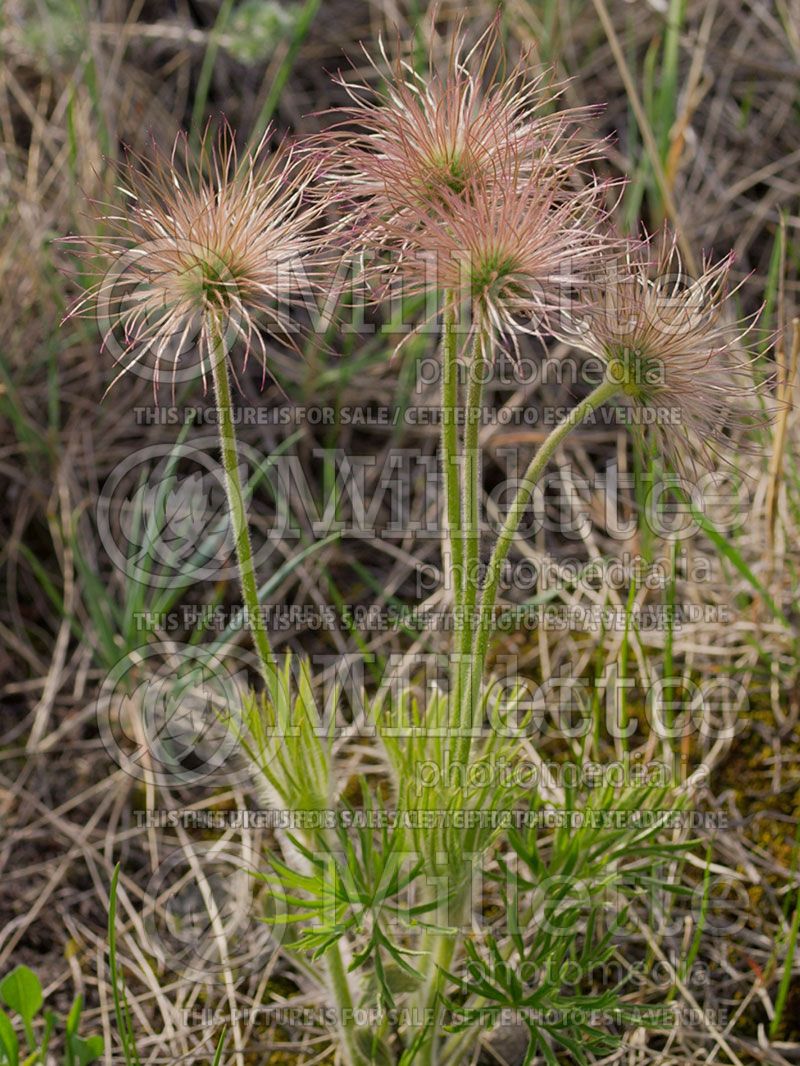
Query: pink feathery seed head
[[206, 253], [514, 251], [429, 139], [676, 348]]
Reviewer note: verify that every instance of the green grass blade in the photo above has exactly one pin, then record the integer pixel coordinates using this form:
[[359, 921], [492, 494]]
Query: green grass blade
[[737, 561], [788, 966], [301, 30], [218, 1052], [121, 1008], [207, 70]]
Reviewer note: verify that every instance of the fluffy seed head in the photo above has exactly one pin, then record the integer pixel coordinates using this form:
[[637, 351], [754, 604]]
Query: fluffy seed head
[[427, 138], [676, 349], [511, 250], [206, 249]]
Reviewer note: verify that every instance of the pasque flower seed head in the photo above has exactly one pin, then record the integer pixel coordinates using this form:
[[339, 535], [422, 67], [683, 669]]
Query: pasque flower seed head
[[210, 248], [514, 250], [676, 348], [429, 138]]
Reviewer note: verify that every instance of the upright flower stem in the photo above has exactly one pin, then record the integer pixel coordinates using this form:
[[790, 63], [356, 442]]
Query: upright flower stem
[[472, 496], [463, 515], [441, 958], [236, 504], [453, 541], [604, 391], [453, 533], [344, 1006], [473, 640]]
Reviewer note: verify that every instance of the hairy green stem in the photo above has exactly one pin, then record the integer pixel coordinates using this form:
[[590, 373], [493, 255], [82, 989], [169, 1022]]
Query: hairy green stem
[[472, 475], [453, 546], [472, 498], [337, 981], [453, 533], [466, 512], [344, 1007], [236, 502], [604, 391], [441, 958]]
